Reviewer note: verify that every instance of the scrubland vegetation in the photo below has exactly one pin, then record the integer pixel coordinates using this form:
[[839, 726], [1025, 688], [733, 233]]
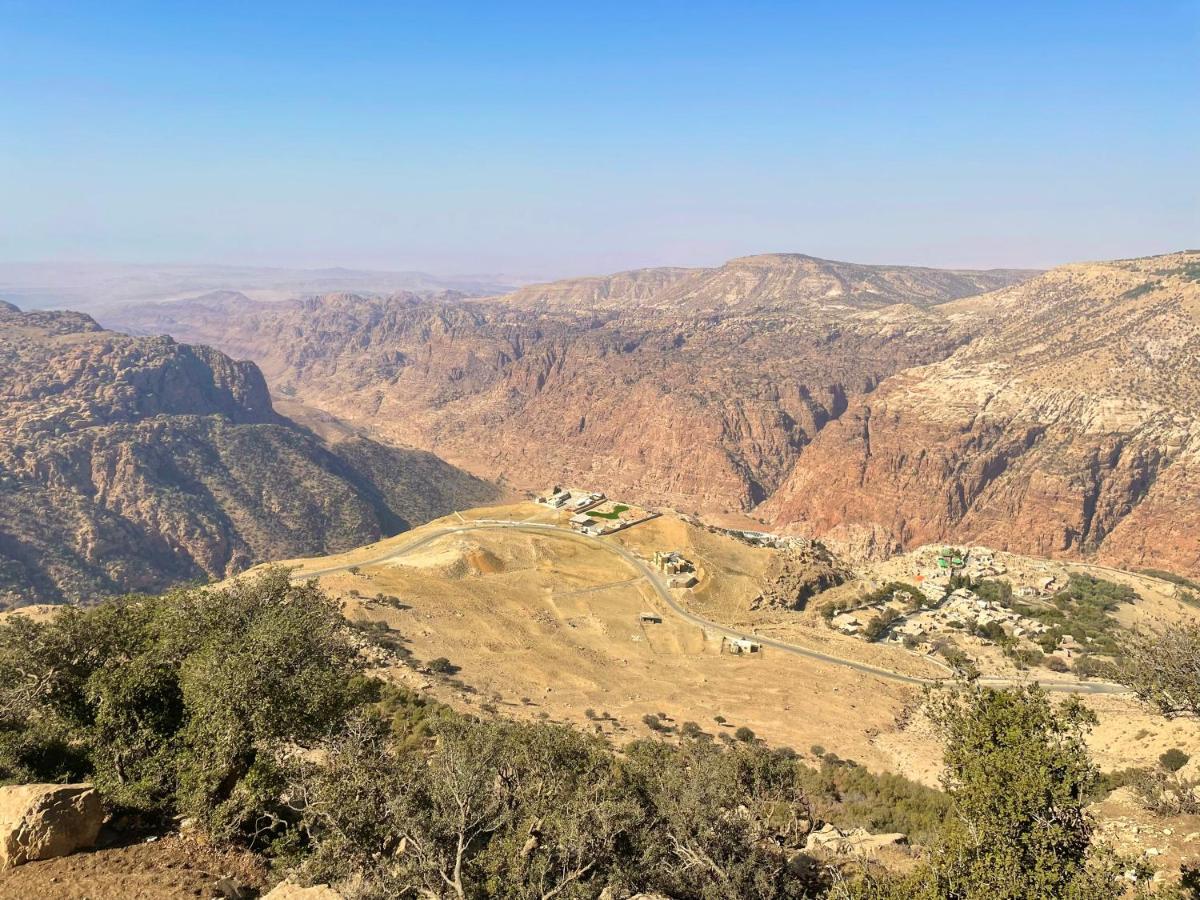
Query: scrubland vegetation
[[245, 710]]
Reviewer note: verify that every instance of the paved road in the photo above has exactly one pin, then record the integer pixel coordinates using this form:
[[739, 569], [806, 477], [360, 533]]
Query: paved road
[[664, 593]]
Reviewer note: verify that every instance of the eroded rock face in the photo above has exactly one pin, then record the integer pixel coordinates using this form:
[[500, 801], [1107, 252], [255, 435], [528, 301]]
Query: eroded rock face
[[1070, 427], [798, 574], [1054, 415], [42, 821], [128, 464], [694, 389]]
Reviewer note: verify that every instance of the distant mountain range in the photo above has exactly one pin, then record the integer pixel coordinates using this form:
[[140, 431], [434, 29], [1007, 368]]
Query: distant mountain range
[[95, 286], [137, 463]]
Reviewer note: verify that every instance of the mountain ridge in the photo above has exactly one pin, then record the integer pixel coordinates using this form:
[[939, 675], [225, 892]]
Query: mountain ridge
[[713, 392], [136, 463]]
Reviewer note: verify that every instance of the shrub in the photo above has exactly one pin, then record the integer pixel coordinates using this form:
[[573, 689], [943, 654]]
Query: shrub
[[182, 704], [1173, 760], [1019, 777], [878, 627], [744, 734], [1086, 666], [1161, 668], [441, 666], [1056, 664], [654, 723]]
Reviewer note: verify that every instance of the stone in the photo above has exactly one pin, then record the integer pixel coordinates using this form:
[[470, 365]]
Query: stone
[[289, 890], [42, 821], [832, 840], [232, 889]]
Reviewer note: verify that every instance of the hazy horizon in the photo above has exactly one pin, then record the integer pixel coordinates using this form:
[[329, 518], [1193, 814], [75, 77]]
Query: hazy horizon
[[547, 142]]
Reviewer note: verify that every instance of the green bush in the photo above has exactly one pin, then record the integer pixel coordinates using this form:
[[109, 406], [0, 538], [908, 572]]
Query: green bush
[[1173, 760], [878, 627], [178, 705]]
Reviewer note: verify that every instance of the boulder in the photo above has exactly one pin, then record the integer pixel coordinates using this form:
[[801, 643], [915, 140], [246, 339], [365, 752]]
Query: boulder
[[289, 890], [41, 821], [857, 840]]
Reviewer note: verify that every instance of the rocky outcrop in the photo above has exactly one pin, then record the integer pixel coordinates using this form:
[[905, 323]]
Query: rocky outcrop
[[42, 821], [796, 575], [290, 890], [857, 841], [129, 464]]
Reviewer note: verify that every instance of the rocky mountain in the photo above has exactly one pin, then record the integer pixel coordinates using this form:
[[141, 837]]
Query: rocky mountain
[[1069, 425], [878, 406], [133, 463], [695, 389], [780, 282]]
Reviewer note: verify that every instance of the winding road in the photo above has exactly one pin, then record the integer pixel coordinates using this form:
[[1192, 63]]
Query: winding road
[[664, 593]]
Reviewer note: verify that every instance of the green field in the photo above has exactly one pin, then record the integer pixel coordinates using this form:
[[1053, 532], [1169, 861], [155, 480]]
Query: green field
[[615, 514]]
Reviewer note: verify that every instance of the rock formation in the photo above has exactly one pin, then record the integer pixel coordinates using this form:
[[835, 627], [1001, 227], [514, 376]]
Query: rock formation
[[881, 407], [689, 388], [135, 463], [1069, 426], [42, 821], [797, 574]]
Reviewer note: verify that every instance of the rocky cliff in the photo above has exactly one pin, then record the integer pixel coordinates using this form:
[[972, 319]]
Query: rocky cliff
[[879, 406], [689, 388], [1069, 425], [132, 463]]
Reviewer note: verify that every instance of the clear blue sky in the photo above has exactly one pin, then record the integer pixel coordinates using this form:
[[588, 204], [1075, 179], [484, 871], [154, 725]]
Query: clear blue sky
[[566, 138]]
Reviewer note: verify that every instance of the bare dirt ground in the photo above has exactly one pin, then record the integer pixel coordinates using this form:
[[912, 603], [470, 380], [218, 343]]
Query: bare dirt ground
[[542, 626], [545, 627], [166, 869]]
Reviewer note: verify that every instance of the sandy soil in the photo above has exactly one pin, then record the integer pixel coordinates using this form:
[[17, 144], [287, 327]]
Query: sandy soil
[[548, 628], [166, 869]]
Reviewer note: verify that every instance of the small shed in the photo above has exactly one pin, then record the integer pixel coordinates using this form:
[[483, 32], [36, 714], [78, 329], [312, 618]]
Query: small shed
[[743, 645]]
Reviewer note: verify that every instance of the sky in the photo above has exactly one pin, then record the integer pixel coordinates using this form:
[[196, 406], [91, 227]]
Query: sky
[[555, 139]]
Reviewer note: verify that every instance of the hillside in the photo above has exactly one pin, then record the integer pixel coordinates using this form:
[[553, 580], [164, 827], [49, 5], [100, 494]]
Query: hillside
[[883, 407], [668, 384], [776, 281], [1067, 426], [134, 463]]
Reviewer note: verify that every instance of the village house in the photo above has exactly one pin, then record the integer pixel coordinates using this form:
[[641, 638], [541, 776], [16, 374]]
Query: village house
[[742, 645]]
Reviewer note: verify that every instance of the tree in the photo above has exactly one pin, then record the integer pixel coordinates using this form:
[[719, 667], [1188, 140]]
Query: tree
[[1019, 775], [1163, 669], [1173, 760], [538, 810], [721, 823], [180, 704]]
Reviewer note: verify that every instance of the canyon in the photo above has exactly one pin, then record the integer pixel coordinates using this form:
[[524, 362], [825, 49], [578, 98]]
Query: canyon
[[876, 407], [134, 464]]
